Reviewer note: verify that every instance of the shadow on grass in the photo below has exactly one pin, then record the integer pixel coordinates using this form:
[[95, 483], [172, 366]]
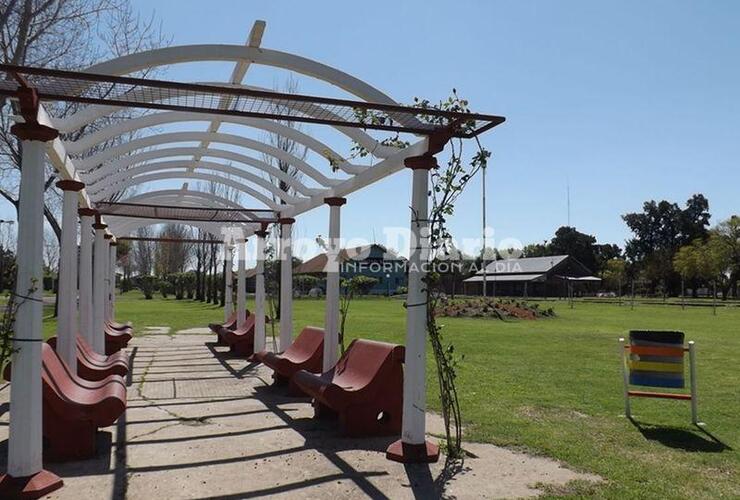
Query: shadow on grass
[[692, 440]]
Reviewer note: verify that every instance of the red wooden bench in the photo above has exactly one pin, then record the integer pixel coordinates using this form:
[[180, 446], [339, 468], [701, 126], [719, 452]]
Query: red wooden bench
[[241, 340], [115, 340], [119, 326], [305, 353], [229, 324], [365, 388], [73, 409], [89, 369], [89, 352]]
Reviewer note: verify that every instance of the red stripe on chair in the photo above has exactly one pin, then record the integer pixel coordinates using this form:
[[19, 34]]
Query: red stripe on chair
[[657, 351]]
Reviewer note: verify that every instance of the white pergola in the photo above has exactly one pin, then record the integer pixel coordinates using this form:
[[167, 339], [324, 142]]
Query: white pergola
[[90, 175]]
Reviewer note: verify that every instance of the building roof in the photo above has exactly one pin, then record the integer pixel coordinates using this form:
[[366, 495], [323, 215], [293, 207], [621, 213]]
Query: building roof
[[525, 265], [317, 264], [499, 278]]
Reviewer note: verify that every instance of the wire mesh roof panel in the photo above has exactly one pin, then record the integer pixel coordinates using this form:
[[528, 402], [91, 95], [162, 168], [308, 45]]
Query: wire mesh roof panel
[[191, 214], [72, 86]]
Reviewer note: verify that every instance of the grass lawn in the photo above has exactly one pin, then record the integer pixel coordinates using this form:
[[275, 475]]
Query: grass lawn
[[553, 387]]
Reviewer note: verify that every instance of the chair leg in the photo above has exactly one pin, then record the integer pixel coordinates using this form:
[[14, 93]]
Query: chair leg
[[625, 379]]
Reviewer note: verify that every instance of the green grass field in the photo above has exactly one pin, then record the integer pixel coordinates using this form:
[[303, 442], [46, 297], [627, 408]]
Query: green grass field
[[553, 387]]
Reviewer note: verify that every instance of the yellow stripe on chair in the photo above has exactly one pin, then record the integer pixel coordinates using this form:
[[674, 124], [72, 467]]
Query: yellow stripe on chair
[[648, 366]]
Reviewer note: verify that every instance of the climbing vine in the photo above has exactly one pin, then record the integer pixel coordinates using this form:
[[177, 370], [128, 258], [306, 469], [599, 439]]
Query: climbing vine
[[447, 182]]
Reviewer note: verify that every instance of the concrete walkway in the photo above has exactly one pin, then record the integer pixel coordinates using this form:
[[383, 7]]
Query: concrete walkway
[[202, 424]]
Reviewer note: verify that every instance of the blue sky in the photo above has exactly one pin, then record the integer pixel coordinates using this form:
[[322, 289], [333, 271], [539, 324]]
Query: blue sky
[[628, 101]]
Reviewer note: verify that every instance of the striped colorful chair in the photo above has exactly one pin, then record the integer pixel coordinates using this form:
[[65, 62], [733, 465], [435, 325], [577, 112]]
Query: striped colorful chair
[[656, 359]]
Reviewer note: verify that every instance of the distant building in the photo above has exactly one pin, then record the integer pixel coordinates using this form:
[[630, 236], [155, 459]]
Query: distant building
[[374, 261], [533, 276]]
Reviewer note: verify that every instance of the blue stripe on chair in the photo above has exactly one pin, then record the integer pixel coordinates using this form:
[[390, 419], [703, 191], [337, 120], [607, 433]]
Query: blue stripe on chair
[[653, 379]]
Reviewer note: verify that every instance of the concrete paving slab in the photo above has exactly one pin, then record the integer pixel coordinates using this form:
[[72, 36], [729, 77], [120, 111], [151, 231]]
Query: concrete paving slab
[[203, 424]]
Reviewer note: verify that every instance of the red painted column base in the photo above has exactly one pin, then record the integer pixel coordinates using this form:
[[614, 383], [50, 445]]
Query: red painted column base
[[406, 453], [29, 487]]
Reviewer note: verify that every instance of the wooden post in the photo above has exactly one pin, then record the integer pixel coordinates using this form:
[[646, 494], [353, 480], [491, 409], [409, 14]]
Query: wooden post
[[692, 375], [67, 328], [241, 283], [99, 288], [413, 446], [260, 343], [286, 283], [331, 317], [25, 477], [228, 280], [625, 379], [85, 273]]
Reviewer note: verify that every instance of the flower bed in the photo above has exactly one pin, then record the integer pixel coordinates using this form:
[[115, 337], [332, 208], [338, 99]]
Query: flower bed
[[485, 307]]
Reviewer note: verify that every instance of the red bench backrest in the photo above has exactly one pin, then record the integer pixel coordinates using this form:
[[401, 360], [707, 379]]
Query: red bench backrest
[[305, 345], [246, 326], [362, 360]]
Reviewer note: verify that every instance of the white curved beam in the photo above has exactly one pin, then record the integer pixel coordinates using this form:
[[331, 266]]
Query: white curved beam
[[124, 162], [256, 55], [94, 112], [130, 226], [132, 63], [116, 177], [215, 201], [151, 120], [142, 179], [159, 139]]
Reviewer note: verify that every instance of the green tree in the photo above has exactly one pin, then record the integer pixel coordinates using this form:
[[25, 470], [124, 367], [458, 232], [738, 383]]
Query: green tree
[[615, 273], [569, 241], [727, 237], [659, 231]]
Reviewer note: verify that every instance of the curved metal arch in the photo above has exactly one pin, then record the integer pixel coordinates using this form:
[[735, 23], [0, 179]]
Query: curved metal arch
[[142, 179], [128, 227], [145, 168], [124, 162], [168, 117], [216, 200], [93, 112], [218, 137], [256, 55]]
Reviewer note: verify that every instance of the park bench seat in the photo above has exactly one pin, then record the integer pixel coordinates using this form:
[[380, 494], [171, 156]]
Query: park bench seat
[[229, 324], [115, 340], [120, 326], [94, 370], [305, 353], [240, 340], [73, 408], [364, 389], [120, 357]]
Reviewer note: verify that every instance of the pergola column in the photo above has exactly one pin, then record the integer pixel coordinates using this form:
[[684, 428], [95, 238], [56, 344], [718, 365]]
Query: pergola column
[[413, 447], [241, 283], [85, 273], [228, 280], [113, 257], [100, 273], [67, 315], [331, 318], [25, 475], [107, 294], [286, 283], [259, 293]]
